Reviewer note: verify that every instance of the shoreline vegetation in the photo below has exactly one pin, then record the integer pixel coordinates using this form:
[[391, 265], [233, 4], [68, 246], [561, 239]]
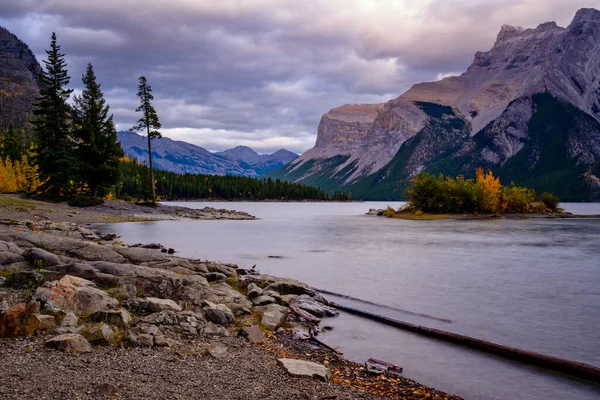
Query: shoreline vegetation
[[137, 321], [444, 197]]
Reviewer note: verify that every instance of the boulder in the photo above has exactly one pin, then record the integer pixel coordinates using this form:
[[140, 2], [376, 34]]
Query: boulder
[[314, 307], [218, 313], [216, 277], [77, 295], [4, 305], [164, 341], [45, 322], [273, 316], [41, 258], [304, 368], [212, 329], [70, 320], [21, 319], [96, 252], [154, 304], [262, 300], [227, 271], [70, 343], [145, 340], [10, 247], [254, 290], [10, 258], [253, 334], [120, 317], [101, 334], [276, 296], [138, 255], [290, 287]]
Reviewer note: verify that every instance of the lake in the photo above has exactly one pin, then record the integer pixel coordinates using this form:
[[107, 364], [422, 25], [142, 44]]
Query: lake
[[531, 284]]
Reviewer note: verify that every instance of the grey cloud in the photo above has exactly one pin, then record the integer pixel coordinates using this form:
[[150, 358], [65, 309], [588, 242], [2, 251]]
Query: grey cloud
[[262, 72]]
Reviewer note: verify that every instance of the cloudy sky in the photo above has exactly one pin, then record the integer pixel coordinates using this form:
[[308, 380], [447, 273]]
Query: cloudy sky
[[262, 72]]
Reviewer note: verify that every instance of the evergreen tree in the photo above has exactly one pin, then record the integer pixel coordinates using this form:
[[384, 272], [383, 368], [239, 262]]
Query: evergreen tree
[[98, 152], [12, 146], [55, 149], [149, 123]]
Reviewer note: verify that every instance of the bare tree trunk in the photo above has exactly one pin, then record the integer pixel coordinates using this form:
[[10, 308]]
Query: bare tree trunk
[[151, 169]]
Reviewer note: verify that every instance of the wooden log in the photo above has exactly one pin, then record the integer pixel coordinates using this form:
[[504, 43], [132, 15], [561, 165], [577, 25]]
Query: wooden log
[[328, 347], [573, 368], [307, 316]]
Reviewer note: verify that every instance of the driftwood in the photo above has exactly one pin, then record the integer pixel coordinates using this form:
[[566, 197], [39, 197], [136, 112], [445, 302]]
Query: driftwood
[[573, 368], [321, 343], [307, 316]]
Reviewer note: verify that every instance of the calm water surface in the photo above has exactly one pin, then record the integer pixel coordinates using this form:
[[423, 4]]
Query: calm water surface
[[528, 284]]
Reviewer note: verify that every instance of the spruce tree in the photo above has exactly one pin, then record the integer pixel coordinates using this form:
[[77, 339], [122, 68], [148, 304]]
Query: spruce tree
[[12, 146], [55, 148], [148, 123], [98, 150]]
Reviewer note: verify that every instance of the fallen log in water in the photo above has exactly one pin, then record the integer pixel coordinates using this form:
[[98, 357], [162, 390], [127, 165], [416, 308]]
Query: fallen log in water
[[573, 368]]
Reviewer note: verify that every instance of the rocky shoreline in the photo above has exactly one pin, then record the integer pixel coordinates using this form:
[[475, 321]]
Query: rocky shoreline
[[86, 316]]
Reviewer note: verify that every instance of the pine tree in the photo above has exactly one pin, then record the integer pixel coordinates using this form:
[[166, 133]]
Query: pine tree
[[55, 148], [149, 123], [12, 146], [98, 150]]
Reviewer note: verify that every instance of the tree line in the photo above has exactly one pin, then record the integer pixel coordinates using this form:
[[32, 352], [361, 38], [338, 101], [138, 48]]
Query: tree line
[[172, 186]]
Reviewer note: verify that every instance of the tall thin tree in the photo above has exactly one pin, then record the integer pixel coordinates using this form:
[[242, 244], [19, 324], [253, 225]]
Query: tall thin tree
[[149, 123], [98, 150], [52, 126]]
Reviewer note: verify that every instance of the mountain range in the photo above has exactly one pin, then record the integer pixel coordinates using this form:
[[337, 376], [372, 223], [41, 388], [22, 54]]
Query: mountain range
[[181, 157], [528, 109]]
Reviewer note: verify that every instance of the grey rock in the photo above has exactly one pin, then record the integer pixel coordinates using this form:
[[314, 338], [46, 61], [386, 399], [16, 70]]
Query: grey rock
[[156, 305], [101, 334], [41, 258], [238, 309], [150, 330], [276, 296], [271, 320], [4, 305], [219, 313], [216, 277], [253, 334], [227, 271], [70, 320], [212, 329], [262, 300], [304, 368], [219, 351], [254, 290], [10, 247], [145, 340], [314, 307], [164, 341], [10, 258], [69, 329], [119, 318], [96, 252], [290, 287], [70, 343]]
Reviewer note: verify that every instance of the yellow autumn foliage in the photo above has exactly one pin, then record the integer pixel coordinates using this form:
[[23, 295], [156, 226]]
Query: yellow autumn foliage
[[20, 176]]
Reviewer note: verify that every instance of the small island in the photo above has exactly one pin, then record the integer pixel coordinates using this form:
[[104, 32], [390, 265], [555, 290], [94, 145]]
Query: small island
[[433, 197]]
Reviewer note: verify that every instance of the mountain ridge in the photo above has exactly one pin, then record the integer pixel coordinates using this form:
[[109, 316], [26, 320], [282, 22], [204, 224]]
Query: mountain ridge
[[183, 157], [492, 100]]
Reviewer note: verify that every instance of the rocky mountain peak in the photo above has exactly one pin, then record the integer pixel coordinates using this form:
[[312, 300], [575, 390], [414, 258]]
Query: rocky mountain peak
[[507, 32], [585, 22]]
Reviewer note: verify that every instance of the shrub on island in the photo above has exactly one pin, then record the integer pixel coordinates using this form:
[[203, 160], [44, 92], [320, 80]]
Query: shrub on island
[[484, 194]]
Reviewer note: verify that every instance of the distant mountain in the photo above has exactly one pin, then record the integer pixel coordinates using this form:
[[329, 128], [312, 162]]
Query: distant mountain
[[19, 80], [528, 109], [261, 163], [182, 157]]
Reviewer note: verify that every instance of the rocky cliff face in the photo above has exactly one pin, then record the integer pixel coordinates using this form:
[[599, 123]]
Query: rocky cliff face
[[494, 102], [19, 80]]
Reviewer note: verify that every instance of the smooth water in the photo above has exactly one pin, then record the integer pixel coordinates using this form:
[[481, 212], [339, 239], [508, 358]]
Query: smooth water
[[531, 284]]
